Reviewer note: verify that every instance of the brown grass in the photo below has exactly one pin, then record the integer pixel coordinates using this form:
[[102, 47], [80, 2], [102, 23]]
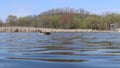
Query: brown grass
[[33, 29]]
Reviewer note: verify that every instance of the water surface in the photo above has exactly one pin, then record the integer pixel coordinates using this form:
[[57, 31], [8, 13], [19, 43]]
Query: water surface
[[60, 50]]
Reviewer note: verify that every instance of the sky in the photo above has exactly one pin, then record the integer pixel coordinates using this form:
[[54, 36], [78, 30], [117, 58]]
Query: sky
[[22, 8]]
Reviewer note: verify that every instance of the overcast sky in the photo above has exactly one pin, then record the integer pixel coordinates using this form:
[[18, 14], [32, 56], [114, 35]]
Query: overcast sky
[[31, 7]]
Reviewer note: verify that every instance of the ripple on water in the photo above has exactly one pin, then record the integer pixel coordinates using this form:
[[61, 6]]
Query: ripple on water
[[61, 47]]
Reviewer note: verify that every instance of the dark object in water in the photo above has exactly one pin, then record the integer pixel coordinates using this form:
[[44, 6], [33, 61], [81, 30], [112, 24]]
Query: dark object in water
[[16, 30], [44, 33]]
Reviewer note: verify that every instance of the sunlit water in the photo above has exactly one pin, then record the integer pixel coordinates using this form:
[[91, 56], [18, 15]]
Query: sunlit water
[[60, 50]]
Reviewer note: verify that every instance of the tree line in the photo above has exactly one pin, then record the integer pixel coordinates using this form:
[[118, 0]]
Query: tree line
[[65, 18]]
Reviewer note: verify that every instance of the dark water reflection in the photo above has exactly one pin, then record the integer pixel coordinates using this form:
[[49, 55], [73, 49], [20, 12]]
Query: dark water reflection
[[60, 50]]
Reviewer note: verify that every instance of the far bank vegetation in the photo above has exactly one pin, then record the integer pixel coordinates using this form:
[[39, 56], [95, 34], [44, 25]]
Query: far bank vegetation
[[64, 18]]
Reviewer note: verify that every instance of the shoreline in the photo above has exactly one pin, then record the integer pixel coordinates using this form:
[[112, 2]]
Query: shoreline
[[33, 29]]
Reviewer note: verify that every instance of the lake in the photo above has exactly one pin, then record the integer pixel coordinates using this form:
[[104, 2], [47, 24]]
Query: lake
[[60, 50]]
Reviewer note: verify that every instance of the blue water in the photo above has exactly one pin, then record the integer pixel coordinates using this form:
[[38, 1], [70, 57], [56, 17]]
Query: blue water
[[60, 50]]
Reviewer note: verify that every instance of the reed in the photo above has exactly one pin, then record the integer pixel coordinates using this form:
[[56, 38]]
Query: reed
[[33, 29]]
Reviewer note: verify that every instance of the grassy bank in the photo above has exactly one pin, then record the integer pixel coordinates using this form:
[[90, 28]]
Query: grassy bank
[[33, 29]]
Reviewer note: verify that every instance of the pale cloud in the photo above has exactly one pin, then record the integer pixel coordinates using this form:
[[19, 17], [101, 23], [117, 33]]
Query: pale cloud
[[20, 9], [21, 12], [102, 11], [24, 9], [61, 0]]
